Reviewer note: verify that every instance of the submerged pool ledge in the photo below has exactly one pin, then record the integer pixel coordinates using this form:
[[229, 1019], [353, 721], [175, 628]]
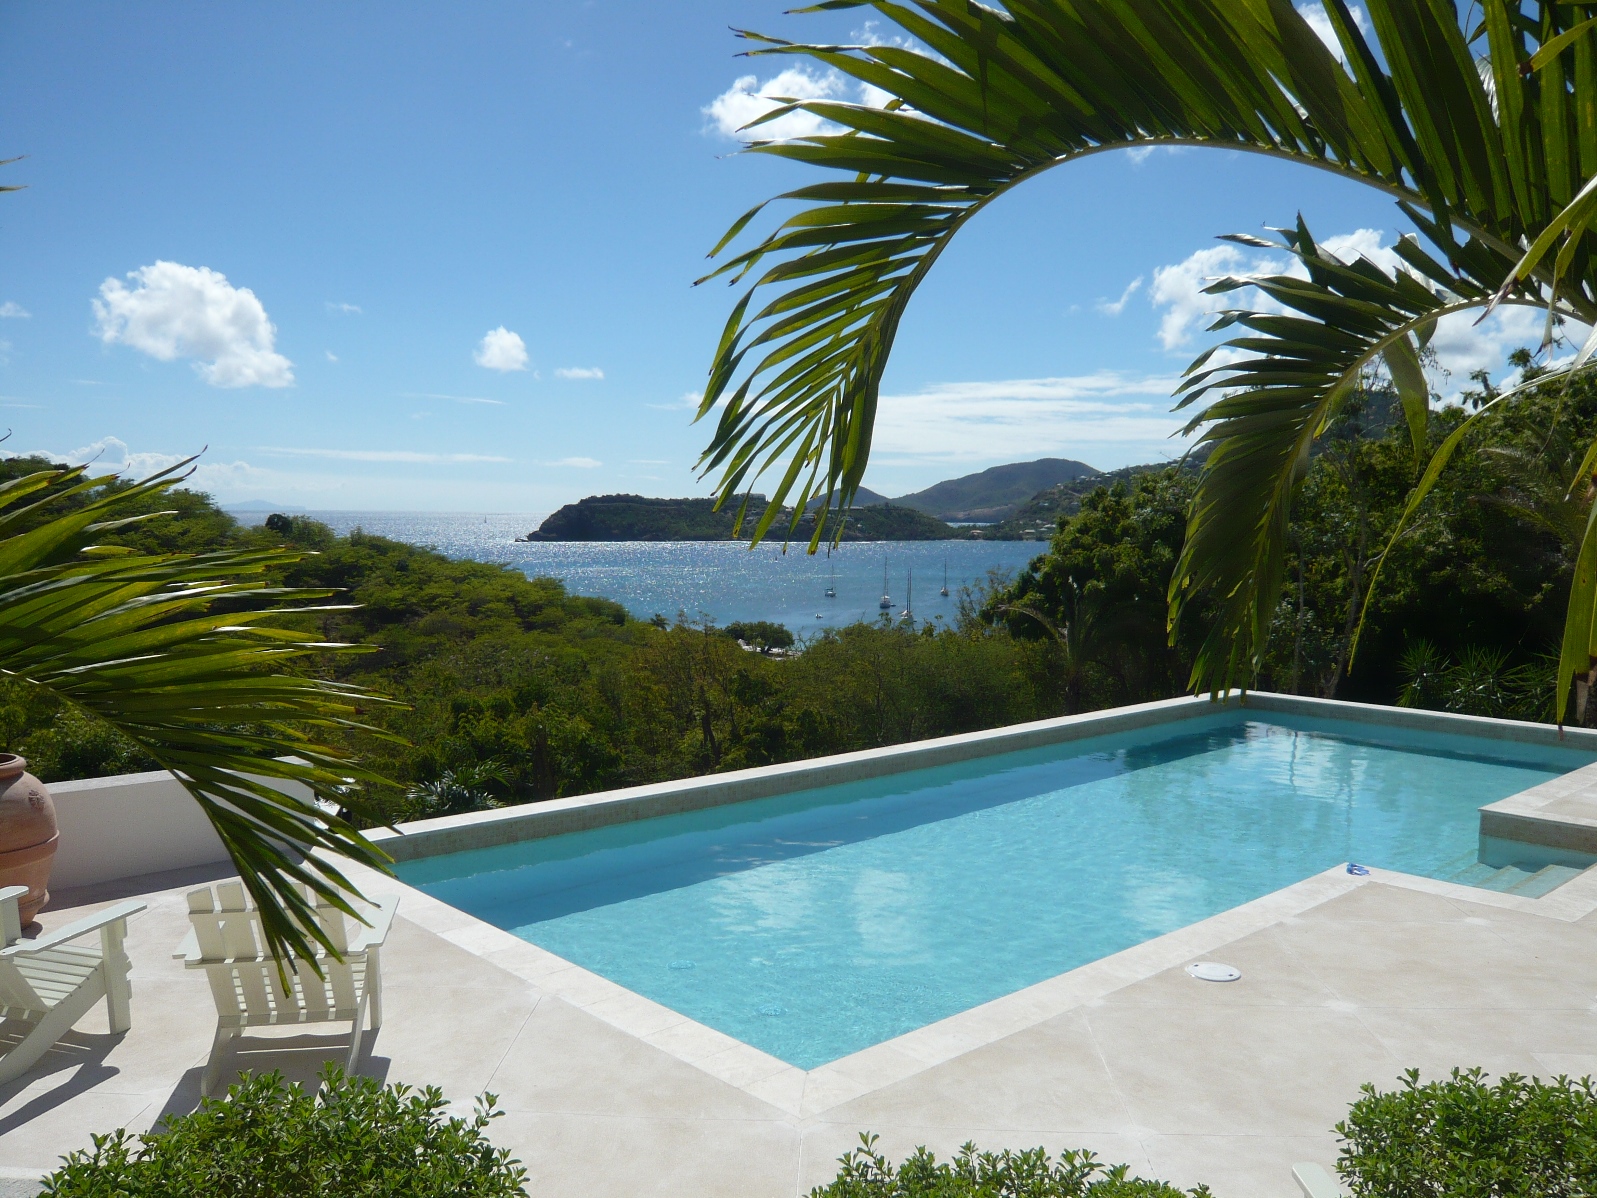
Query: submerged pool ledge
[[1559, 827]]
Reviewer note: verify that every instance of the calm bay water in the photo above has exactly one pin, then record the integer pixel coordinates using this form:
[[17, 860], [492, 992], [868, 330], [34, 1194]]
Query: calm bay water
[[721, 579]]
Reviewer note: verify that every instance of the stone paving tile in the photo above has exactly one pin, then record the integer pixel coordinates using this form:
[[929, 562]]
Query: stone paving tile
[[1000, 1088], [564, 1059], [593, 1156], [1228, 1084], [1238, 1166], [1271, 1071]]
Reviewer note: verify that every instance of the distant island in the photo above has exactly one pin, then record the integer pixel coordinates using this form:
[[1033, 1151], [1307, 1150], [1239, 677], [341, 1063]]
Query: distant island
[[1021, 501], [639, 518]]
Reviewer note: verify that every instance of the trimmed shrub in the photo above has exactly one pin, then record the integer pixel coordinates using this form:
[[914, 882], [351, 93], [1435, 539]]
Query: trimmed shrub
[[351, 1138], [1463, 1138], [865, 1173]]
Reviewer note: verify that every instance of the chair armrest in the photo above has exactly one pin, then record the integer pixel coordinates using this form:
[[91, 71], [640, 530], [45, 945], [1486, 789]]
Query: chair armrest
[[72, 931], [11, 914], [373, 935]]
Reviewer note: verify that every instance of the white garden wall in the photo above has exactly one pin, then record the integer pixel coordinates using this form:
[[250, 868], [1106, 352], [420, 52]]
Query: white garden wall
[[129, 825]]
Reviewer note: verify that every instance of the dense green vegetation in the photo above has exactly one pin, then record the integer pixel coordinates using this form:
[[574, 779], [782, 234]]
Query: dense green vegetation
[[1470, 603], [1032, 1173], [637, 518], [267, 1139], [1038, 517], [1515, 1138], [516, 690]]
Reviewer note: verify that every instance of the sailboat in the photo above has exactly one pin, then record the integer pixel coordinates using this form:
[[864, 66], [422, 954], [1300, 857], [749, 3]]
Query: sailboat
[[908, 613], [887, 600], [944, 591], [831, 591]]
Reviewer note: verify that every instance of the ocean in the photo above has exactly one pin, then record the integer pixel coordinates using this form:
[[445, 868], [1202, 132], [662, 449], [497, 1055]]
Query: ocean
[[720, 580]]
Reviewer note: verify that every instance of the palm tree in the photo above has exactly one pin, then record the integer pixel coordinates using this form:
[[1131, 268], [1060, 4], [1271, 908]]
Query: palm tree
[[180, 653], [1481, 125]]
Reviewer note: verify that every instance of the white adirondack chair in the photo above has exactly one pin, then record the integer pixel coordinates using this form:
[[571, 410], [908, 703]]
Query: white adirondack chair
[[227, 943], [52, 982]]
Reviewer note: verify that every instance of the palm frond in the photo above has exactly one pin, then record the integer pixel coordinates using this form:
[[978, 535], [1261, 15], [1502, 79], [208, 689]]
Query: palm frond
[[1481, 149], [181, 654]]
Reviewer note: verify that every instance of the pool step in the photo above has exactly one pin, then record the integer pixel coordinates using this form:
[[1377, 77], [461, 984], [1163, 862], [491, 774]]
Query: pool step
[[1527, 881], [1549, 877], [1477, 873]]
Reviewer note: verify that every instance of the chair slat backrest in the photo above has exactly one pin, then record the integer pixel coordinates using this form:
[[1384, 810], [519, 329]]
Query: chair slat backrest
[[245, 979]]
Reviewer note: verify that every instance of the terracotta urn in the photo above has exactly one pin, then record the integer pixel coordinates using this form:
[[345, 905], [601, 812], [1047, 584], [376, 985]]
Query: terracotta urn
[[28, 834]]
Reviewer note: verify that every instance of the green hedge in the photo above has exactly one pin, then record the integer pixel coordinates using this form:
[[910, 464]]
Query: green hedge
[[865, 1173], [352, 1138], [1463, 1138]]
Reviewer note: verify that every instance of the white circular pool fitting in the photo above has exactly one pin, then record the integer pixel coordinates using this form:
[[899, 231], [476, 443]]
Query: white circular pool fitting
[[1214, 971]]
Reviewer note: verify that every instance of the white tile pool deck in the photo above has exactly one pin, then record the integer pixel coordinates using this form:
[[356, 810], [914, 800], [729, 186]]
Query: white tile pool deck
[[1190, 1081]]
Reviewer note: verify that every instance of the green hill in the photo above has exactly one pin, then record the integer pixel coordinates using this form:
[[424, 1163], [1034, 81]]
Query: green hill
[[995, 494], [638, 518], [1038, 517]]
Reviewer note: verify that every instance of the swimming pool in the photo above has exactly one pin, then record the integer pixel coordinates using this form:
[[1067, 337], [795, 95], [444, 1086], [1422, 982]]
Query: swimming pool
[[817, 923]]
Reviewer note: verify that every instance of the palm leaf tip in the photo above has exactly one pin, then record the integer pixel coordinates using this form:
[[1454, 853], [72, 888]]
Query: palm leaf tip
[[154, 646]]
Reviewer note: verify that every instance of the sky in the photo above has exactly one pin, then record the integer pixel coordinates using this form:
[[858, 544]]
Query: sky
[[440, 257]]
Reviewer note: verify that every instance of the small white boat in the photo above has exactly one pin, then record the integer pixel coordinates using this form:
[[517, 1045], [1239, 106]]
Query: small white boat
[[887, 600]]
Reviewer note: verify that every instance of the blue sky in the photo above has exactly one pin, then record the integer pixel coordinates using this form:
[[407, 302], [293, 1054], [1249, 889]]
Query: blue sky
[[438, 257]]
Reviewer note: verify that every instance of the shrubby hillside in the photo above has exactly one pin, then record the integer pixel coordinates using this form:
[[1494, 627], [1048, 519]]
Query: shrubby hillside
[[1470, 604], [517, 690]]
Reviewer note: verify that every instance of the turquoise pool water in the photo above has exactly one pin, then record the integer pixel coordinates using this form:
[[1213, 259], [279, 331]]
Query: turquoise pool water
[[818, 923]]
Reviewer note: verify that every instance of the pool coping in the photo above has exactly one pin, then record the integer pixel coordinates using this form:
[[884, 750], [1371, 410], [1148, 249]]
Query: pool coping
[[1542, 811], [555, 817]]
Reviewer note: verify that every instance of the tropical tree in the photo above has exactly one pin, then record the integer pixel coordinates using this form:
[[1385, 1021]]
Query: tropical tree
[[184, 655], [1480, 123]]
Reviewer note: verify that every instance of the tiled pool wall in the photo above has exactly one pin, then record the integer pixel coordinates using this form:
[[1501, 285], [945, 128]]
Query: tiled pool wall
[[1531, 821]]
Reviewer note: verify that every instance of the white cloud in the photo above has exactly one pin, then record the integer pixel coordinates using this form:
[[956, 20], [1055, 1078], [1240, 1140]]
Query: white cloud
[[689, 401], [111, 455], [343, 309], [176, 311], [11, 310], [331, 356], [748, 99], [380, 455], [1116, 307], [502, 350], [1178, 289], [498, 403], [578, 463], [1314, 13], [1461, 345], [1106, 415], [579, 372]]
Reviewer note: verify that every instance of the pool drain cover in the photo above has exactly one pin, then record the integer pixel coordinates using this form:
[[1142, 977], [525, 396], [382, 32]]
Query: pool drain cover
[[681, 965], [1213, 971]]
